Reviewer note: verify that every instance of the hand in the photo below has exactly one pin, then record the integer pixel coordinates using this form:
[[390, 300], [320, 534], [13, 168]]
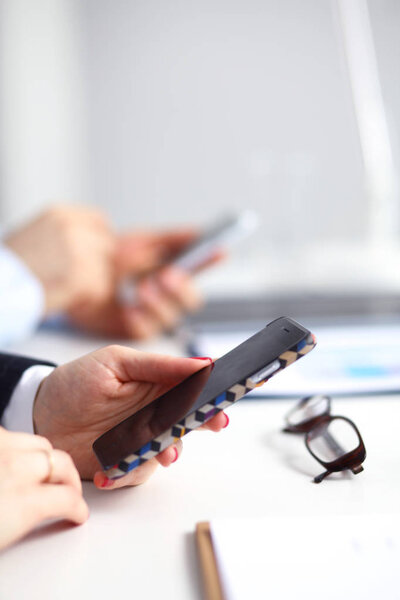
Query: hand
[[82, 399], [162, 296], [71, 251], [27, 496]]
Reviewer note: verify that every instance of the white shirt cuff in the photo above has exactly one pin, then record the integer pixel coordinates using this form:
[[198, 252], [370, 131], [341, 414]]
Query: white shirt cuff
[[22, 299], [18, 416]]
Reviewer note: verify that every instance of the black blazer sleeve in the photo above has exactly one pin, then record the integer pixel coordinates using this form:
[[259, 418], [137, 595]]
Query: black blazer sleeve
[[11, 369]]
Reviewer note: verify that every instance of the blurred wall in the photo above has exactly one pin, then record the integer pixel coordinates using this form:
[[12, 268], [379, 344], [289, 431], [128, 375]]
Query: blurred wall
[[166, 111], [200, 107], [43, 139]]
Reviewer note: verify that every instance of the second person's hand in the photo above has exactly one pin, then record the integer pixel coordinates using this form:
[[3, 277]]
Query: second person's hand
[[71, 251], [36, 483], [163, 294]]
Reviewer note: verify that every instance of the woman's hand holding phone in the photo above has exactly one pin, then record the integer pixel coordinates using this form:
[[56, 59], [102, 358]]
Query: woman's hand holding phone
[[82, 399], [200, 397]]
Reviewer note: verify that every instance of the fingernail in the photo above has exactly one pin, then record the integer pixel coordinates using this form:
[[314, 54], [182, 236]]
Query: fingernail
[[176, 455], [202, 358], [107, 483], [227, 421]]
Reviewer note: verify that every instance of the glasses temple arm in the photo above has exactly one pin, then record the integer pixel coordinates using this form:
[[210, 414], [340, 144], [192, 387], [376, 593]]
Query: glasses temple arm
[[321, 477]]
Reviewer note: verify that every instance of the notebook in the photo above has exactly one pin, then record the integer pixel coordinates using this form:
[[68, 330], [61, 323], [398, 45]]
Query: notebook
[[281, 558]]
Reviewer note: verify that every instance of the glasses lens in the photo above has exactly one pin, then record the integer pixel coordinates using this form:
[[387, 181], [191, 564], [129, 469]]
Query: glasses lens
[[334, 439], [308, 409]]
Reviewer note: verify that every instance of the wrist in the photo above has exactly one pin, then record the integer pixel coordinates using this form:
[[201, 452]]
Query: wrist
[[40, 410], [36, 408]]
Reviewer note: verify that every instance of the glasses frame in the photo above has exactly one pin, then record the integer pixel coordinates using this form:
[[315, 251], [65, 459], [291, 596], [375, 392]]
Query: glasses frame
[[349, 460]]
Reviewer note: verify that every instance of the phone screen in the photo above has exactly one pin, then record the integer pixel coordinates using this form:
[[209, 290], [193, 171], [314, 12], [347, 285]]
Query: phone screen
[[197, 390]]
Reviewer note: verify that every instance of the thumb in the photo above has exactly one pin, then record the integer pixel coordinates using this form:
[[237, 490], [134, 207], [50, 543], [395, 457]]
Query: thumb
[[132, 365]]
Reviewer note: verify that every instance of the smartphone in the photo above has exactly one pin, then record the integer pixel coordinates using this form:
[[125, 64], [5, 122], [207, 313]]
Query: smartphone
[[224, 234], [195, 400]]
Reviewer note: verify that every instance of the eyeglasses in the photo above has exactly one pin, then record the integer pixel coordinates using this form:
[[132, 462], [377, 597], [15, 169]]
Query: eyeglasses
[[334, 442]]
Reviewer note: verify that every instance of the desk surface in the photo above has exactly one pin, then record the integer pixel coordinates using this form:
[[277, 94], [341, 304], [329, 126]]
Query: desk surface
[[140, 541]]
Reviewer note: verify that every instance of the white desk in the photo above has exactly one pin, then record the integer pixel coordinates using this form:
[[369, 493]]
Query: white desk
[[139, 542]]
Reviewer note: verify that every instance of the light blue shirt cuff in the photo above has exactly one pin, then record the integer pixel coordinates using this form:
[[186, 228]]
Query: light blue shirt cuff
[[22, 299]]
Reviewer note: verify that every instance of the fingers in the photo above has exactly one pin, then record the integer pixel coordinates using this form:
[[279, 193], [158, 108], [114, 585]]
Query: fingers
[[165, 459], [159, 305], [26, 510], [138, 253], [215, 258], [63, 470], [170, 454], [179, 286], [143, 473], [177, 239], [171, 242], [26, 459], [142, 251], [162, 299], [58, 501], [135, 477], [23, 441], [36, 483], [220, 421], [138, 323], [175, 286], [24, 467], [54, 467]]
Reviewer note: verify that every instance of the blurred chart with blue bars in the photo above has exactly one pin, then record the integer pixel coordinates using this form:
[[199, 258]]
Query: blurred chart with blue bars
[[348, 359]]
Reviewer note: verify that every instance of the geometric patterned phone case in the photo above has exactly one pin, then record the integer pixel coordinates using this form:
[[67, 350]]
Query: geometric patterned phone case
[[203, 414]]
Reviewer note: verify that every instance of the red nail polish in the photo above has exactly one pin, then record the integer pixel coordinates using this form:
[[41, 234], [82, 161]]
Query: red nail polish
[[227, 421], [176, 455], [107, 483], [202, 358]]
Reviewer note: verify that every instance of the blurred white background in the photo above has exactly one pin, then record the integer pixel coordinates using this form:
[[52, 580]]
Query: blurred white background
[[164, 112]]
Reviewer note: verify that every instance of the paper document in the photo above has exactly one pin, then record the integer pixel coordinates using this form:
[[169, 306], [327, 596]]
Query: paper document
[[308, 558], [357, 359]]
